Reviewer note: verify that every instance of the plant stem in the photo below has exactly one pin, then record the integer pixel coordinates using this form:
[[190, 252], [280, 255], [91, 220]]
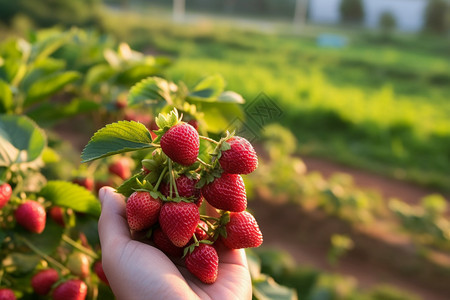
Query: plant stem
[[204, 163], [44, 256], [208, 139], [79, 247], [160, 179]]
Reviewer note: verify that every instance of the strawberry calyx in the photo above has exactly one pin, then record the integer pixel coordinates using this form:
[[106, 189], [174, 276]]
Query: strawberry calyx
[[189, 249], [165, 122]]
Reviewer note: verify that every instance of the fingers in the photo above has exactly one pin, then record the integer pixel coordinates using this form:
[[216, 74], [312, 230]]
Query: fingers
[[112, 225]]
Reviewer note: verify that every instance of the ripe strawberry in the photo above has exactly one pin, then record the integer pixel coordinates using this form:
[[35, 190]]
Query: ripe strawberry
[[240, 159], [186, 188], [86, 182], [193, 123], [7, 294], [5, 194], [203, 262], [42, 282], [98, 269], [73, 289], [31, 215], [164, 244], [121, 168], [56, 213], [78, 264], [200, 234], [226, 192], [242, 231], [178, 221], [142, 210], [181, 144]]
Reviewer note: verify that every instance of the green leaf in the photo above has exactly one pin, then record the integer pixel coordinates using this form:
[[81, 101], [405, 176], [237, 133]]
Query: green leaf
[[221, 116], [230, 97], [208, 89], [99, 73], [48, 240], [152, 91], [265, 288], [115, 138], [129, 186], [49, 85], [21, 140], [136, 73], [6, 97], [41, 69], [70, 195]]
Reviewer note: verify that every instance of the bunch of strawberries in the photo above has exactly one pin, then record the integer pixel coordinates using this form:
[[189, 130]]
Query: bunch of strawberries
[[168, 201]]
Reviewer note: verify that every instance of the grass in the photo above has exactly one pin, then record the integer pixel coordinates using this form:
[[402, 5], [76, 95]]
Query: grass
[[377, 104]]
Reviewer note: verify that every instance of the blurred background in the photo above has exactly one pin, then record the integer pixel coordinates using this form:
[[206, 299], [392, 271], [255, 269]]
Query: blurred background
[[346, 101]]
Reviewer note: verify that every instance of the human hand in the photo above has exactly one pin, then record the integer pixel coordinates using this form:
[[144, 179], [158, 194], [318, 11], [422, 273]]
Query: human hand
[[136, 270]]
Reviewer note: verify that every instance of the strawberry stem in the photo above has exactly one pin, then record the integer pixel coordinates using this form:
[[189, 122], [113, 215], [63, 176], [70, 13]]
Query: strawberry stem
[[173, 183], [208, 139], [79, 247], [204, 163], [43, 255], [160, 179]]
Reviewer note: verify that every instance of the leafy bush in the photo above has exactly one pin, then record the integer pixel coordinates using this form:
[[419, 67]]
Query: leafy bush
[[436, 16], [387, 22], [351, 11]]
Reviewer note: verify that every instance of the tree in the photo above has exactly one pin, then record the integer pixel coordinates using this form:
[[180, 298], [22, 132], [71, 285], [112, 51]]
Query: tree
[[387, 22], [351, 11], [436, 16]]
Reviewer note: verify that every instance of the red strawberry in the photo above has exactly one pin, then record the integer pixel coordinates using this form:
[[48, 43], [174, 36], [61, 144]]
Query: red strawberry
[[142, 210], [78, 264], [242, 231], [98, 269], [56, 213], [240, 159], [193, 123], [186, 188], [31, 215], [42, 282], [121, 168], [73, 289], [178, 221], [203, 262], [5, 194], [200, 234], [86, 182], [226, 192], [181, 144], [164, 244], [7, 294]]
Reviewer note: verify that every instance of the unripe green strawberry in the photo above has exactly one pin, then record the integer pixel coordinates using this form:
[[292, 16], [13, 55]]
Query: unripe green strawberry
[[78, 264], [73, 289], [43, 281], [164, 244], [178, 221], [5, 194], [240, 159], [242, 231], [31, 215], [226, 192], [142, 210], [98, 269], [7, 294], [181, 143], [203, 262], [56, 213], [186, 188]]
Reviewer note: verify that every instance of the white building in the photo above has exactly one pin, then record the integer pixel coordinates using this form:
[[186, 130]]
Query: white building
[[409, 14]]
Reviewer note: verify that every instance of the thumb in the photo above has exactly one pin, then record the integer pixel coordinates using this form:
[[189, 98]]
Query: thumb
[[112, 225]]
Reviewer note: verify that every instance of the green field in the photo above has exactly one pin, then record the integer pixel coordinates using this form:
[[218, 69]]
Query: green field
[[379, 103]]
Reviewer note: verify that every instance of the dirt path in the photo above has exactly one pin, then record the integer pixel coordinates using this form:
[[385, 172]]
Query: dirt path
[[388, 187]]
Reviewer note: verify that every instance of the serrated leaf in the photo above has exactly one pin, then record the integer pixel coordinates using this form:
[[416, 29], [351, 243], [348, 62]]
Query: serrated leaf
[[151, 91], [208, 89], [49, 85], [129, 186], [123, 136], [230, 97], [21, 140], [70, 195]]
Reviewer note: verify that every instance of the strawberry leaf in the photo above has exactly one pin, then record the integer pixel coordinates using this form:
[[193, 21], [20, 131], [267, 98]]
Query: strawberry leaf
[[123, 136], [70, 195], [129, 186], [152, 91]]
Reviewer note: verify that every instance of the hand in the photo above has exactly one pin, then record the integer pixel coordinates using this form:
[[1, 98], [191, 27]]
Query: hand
[[136, 270]]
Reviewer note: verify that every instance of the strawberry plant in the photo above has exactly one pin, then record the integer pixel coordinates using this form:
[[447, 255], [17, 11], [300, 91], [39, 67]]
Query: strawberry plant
[[163, 198]]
